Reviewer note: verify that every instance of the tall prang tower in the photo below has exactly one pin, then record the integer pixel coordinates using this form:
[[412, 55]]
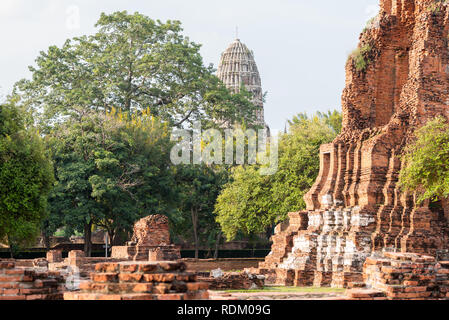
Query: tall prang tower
[[237, 66]]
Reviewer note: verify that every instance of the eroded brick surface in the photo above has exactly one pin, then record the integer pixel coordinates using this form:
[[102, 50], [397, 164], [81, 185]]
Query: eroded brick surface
[[403, 276], [166, 280], [25, 284]]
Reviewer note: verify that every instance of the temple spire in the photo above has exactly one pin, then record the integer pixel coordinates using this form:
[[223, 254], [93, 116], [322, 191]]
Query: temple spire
[[237, 67]]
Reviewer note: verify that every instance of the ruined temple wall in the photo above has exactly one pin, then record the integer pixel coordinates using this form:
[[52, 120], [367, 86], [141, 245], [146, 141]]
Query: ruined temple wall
[[356, 207]]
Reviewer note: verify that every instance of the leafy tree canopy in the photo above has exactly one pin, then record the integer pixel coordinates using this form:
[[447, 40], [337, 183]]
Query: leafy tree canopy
[[251, 203], [132, 63], [197, 188], [26, 177], [426, 162], [110, 170]]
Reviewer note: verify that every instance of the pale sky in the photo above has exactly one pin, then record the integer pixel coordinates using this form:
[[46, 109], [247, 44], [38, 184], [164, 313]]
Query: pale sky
[[300, 46]]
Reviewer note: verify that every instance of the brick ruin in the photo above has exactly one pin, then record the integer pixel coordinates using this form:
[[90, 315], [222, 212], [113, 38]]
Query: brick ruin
[[141, 281], [29, 284], [148, 268], [355, 207], [150, 241], [402, 276]]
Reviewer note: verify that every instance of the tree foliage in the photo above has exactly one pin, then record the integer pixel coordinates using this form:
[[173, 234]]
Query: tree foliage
[[110, 170], [426, 162], [26, 177], [132, 63], [197, 188], [251, 203]]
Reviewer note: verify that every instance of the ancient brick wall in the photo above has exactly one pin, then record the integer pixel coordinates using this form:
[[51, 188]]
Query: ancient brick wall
[[141, 281], [356, 207], [26, 284]]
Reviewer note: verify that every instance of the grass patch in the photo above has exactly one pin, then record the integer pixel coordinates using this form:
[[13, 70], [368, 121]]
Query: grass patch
[[360, 57], [290, 290]]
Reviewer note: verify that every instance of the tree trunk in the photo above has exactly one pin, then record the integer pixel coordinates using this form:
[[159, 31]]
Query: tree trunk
[[46, 240], [194, 213], [217, 245], [45, 236], [88, 239]]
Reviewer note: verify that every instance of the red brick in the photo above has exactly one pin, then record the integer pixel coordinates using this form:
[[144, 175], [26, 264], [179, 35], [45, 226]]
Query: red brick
[[170, 296], [142, 288], [137, 297], [12, 297], [146, 268], [104, 277], [131, 268], [36, 297], [9, 285], [114, 297], [130, 277], [107, 267], [159, 277], [162, 288]]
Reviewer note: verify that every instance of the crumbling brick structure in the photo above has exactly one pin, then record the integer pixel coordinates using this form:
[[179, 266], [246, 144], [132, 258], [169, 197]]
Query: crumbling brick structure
[[404, 276], [150, 241], [395, 82], [141, 281], [27, 284]]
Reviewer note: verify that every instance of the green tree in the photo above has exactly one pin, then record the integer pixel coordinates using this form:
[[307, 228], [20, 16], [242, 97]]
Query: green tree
[[132, 63], [425, 167], [333, 119], [251, 203], [26, 177], [198, 187], [110, 170]]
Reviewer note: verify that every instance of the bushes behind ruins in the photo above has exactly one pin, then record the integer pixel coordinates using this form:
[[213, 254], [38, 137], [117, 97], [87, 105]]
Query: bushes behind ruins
[[26, 177]]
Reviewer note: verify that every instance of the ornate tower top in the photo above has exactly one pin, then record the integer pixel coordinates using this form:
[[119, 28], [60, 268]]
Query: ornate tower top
[[237, 66]]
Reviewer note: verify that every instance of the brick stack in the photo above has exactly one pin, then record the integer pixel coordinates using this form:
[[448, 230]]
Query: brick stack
[[403, 276], [141, 281], [356, 206], [25, 284], [150, 242]]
